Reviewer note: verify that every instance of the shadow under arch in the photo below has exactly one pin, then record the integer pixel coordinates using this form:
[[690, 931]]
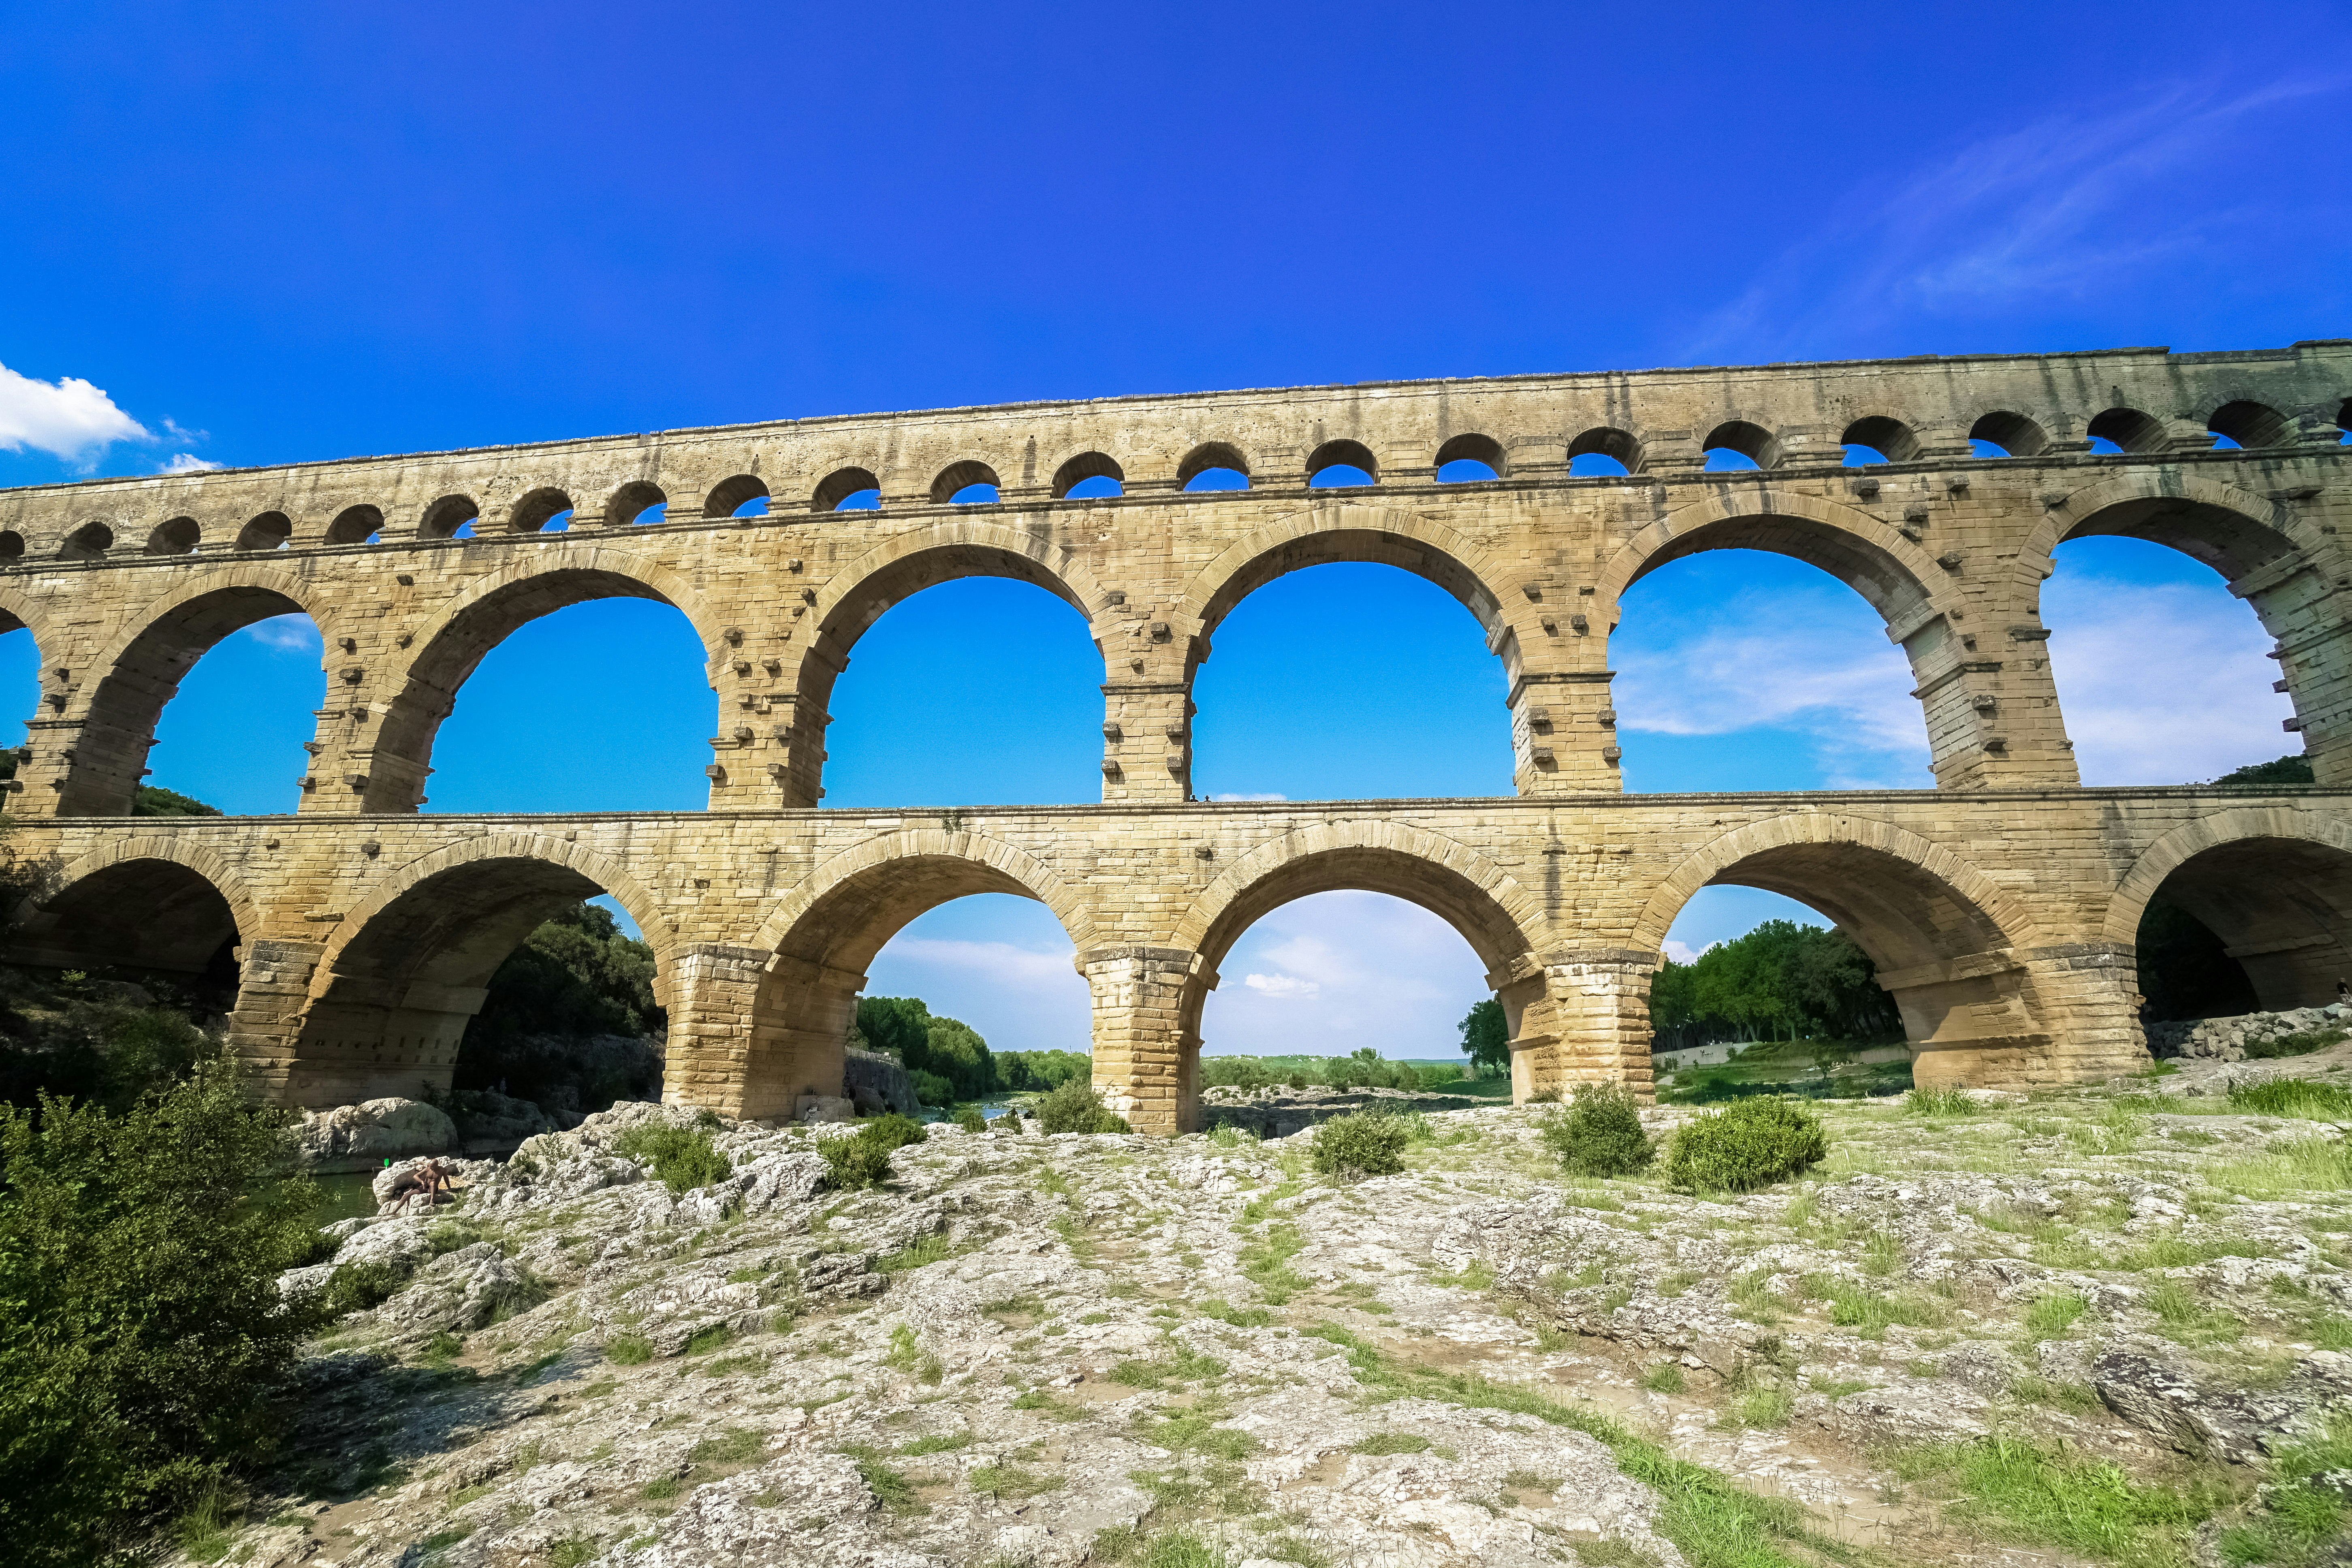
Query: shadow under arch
[[147, 901], [408, 968], [862, 592], [816, 948], [396, 760], [1958, 954], [140, 670], [2274, 883], [1502, 922]]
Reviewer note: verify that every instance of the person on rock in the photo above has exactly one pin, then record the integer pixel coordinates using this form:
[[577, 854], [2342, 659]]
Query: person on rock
[[430, 1178]]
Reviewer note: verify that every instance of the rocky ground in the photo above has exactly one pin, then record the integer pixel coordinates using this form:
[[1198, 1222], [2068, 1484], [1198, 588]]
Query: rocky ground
[[2094, 1324]]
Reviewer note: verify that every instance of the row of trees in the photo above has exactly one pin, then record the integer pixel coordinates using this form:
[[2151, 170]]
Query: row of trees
[[949, 1060], [1781, 980]]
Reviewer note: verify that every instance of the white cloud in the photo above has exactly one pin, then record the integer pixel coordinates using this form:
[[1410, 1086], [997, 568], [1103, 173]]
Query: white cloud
[[188, 463], [287, 634], [1682, 951], [1282, 985], [1260, 798], [66, 418], [2051, 210], [1806, 660], [2161, 683]]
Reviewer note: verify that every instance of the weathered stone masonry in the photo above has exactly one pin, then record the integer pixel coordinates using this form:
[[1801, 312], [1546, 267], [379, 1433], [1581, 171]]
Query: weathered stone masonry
[[2001, 908]]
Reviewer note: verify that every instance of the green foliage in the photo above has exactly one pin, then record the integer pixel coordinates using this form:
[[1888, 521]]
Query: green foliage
[[153, 800], [1365, 1069], [1487, 1038], [1951, 1100], [356, 1286], [970, 1120], [1360, 1143], [1075, 1107], [1024, 1072], [1664, 1378], [2301, 1043], [93, 1039], [2293, 1096], [950, 1052], [2054, 1315], [629, 1350], [143, 1340], [576, 975], [861, 1160], [1779, 981], [2302, 1516], [1600, 1134], [1748, 1144], [2291, 770], [682, 1158]]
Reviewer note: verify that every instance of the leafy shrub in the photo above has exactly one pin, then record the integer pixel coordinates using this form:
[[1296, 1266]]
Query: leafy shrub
[[861, 1160], [1950, 1101], [1360, 1143], [970, 1120], [1075, 1107], [1748, 1144], [1600, 1134], [356, 1286], [930, 1089], [2293, 1096], [143, 1346], [681, 1158]]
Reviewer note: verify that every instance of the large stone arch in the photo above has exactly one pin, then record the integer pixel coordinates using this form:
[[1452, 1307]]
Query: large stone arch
[[21, 611], [1504, 925], [394, 760], [406, 968], [139, 669], [800, 978], [861, 592], [151, 900], [2273, 882], [1985, 997]]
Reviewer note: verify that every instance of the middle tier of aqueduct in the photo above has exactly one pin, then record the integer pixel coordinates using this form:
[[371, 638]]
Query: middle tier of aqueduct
[[2001, 908]]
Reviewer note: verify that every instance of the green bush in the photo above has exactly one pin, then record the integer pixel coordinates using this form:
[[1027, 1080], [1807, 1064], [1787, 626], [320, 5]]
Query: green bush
[[1950, 1101], [1075, 1107], [861, 1160], [1748, 1144], [1600, 1133], [356, 1286], [970, 1120], [682, 1158], [931, 1089], [143, 1346], [1360, 1143], [2296, 1045]]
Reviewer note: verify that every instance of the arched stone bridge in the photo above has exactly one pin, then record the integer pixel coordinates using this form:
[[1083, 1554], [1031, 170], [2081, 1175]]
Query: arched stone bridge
[[2001, 908]]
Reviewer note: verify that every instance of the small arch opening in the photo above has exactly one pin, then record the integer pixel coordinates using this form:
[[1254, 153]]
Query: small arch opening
[[545, 510], [2006, 435], [2246, 423], [640, 502], [1736, 446], [744, 495], [177, 536], [1468, 459], [1214, 466], [1337, 464], [969, 483], [356, 525], [1089, 476], [451, 517], [2120, 430], [1879, 440], [270, 531], [847, 490], [1605, 452], [2251, 925], [12, 545], [2344, 422], [89, 541]]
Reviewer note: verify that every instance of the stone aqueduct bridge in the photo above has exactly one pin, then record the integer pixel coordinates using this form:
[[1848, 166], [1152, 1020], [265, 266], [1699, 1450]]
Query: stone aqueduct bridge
[[2001, 908]]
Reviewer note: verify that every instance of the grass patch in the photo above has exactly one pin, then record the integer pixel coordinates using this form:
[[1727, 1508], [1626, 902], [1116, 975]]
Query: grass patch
[[1664, 1378], [932, 1249], [946, 1443], [1009, 1480], [2293, 1096], [1265, 1263], [681, 1158], [2300, 1165], [1853, 1306], [2051, 1316], [2022, 1492], [1949, 1101], [629, 1350], [905, 1355], [889, 1485]]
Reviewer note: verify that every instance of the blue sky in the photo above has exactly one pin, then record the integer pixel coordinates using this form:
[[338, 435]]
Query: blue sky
[[300, 232]]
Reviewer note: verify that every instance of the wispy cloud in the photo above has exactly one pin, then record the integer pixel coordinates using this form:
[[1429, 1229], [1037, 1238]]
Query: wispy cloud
[[1814, 659], [2053, 210], [287, 634], [187, 463], [1280, 985], [1333, 972], [2160, 683], [66, 418]]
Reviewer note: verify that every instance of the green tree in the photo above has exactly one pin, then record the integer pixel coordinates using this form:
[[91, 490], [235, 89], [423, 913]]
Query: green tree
[[143, 1340], [1486, 1039], [2291, 770], [576, 975], [1779, 981], [948, 1049], [153, 800]]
